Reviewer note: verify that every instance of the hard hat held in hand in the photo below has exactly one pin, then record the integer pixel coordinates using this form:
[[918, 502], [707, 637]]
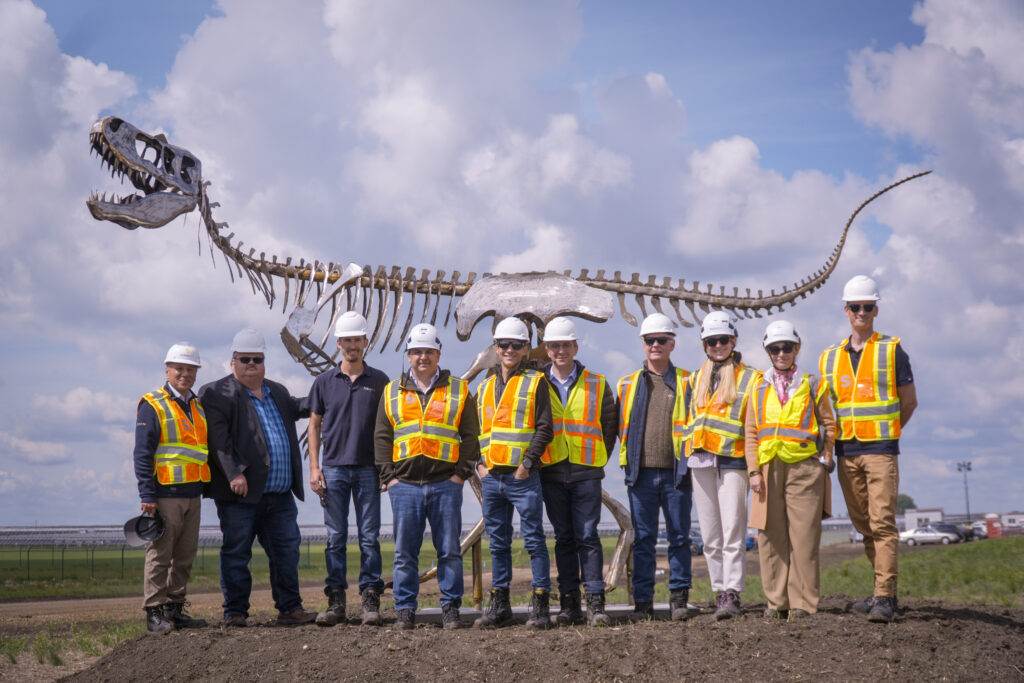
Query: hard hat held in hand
[[657, 323], [780, 330], [861, 288], [423, 336], [512, 328], [138, 531], [560, 329], [184, 353], [248, 341], [350, 324], [716, 324]]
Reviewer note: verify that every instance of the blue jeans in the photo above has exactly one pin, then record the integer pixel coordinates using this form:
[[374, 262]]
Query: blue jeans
[[654, 491], [273, 521], [412, 506], [358, 483], [503, 495], [574, 511]]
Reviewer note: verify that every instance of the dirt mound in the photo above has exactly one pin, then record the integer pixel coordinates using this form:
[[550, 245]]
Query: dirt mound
[[929, 640]]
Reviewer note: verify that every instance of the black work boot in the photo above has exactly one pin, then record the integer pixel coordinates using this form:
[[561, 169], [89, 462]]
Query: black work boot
[[570, 613], [406, 620], [157, 621], [678, 606], [540, 610], [884, 609], [335, 612], [175, 612], [450, 617], [642, 611], [596, 616], [371, 608], [862, 606], [498, 612]]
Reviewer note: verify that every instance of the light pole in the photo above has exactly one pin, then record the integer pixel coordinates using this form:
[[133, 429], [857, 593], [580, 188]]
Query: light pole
[[965, 467]]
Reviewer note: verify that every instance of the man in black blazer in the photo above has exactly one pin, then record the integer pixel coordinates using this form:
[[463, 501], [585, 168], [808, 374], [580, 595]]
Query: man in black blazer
[[256, 469]]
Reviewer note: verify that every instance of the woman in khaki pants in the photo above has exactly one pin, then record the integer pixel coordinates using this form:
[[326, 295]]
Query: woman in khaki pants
[[789, 461]]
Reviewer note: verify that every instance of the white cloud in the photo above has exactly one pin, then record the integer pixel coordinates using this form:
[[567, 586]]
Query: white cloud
[[83, 404], [550, 251], [34, 451]]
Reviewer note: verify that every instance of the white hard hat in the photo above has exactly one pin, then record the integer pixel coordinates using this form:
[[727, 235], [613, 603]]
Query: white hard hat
[[350, 324], [657, 323], [248, 341], [861, 288], [780, 330], [512, 328], [185, 353], [717, 323], [423, 336], [560, 329]]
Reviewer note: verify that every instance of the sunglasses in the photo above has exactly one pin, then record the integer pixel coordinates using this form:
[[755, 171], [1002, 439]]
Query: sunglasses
[[245, 360], [651, 341], [784, 347], [504, 344], [718, 341], [856, 307]]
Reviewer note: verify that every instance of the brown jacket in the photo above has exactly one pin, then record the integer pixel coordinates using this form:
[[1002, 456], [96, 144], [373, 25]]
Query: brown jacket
[[759, 502]]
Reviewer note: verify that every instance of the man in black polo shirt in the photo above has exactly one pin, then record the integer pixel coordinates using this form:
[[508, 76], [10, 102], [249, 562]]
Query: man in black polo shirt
[[343, 404]]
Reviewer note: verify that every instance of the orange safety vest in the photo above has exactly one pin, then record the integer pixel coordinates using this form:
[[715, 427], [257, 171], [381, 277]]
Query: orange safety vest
[[577, 424], [719, 429], [867, 403], [433, 432], [182, 453], [507, 425], [627, 392], [788, 431]]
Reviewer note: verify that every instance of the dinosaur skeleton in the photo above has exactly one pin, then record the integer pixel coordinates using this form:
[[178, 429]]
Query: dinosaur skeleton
[[169, 183]]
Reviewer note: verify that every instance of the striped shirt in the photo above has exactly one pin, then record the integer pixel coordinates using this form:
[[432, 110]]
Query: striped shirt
[[279, 474]]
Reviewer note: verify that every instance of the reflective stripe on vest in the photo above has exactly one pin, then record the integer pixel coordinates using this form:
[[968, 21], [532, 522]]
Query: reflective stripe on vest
[[433, 433], [182, 453], [506, 425], [867, 403], [577, 424], [719, 430], [788, 431], [627, 394]]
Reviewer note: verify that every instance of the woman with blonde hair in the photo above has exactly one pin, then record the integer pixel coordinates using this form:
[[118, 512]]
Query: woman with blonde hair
[[716, 411], [790, 432]]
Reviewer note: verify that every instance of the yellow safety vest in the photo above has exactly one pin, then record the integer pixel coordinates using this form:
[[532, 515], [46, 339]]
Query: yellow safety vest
[[627, 392], [433, 432], [577, 425], [867, 404], [788, 431], [507, 425], [182, 453], [719, 429]]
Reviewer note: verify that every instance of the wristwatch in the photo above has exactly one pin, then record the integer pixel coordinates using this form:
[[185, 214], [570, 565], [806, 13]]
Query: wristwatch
[[753, 472]]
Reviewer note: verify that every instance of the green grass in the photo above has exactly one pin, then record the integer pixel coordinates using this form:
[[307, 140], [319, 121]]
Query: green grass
[[49, 644], [11, 647]]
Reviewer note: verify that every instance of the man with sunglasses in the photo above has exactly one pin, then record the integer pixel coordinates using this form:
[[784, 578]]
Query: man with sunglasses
[[515, 429], [652, 420], [343, 404], [872, 386], [255, 478], [426, 445]]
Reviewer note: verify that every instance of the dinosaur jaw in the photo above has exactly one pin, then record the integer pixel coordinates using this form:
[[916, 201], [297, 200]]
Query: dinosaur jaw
[[168, 178]]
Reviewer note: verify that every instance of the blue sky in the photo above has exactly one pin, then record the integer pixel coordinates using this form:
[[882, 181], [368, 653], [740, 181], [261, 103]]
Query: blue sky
[[721, 143]]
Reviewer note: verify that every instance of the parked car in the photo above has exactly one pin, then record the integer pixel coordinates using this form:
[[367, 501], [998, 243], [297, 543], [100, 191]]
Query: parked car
[[751, 541], [980, 528], [927, 534], [951, 529], [696, 543]]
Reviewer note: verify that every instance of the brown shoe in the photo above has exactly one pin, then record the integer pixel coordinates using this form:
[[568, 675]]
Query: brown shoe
[[296, 617], [234, 621]]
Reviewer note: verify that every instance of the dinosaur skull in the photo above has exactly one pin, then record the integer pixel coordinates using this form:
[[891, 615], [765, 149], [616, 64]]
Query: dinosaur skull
[[169, 178]]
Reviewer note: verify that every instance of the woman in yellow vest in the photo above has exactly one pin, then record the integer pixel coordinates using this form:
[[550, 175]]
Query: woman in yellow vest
[[716, 404], [789, 461]]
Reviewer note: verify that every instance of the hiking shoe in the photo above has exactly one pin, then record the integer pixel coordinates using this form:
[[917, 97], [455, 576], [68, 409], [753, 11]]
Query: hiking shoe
[[571, 612], [861, 606], [883, 611], [727, 605], [773, 613], [498, 612], [450, 617], [157, 621], [540, 610], [596, 616], [175, 612], [678, 606], [335, 612], [642, 611], [296, 617], [371, 608], [234, 621], [406, 620]]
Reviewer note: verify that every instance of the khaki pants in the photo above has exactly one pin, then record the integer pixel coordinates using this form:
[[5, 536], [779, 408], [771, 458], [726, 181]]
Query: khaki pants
[[169, 558], [788, 545], [870, 484]]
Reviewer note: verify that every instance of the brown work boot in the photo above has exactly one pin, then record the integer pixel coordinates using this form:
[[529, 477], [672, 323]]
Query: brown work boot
[[371, 608], [296, 617]]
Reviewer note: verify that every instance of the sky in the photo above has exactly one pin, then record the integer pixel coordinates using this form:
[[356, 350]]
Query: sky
[[719, 143]]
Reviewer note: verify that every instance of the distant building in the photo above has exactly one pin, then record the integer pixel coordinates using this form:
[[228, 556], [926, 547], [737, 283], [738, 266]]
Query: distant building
[[1012, 519], [914, 518]]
